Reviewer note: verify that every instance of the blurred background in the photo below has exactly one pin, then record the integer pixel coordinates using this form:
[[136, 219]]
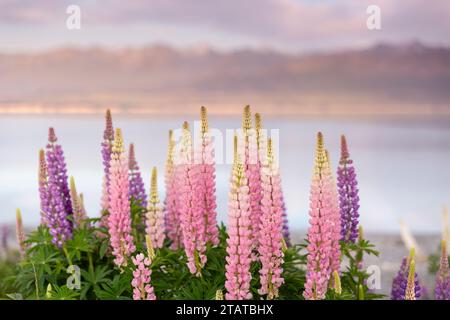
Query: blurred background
[[305, 65]]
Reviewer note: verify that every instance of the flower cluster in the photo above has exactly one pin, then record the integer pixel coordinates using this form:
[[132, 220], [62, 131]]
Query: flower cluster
[[171, 214], [191, 215], [252, 167], [142, 288], [204, 165], [119, 219], [239, 242], [271, 228], [136, 189], [405, 275], [442, 289], [79, 212], [57, 206], [107, 145], [321, 233], [348, 195]]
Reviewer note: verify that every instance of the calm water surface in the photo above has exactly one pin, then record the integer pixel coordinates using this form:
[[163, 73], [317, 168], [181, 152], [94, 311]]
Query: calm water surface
[[402, 166]]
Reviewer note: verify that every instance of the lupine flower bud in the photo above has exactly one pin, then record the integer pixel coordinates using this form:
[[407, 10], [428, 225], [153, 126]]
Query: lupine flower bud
[[400, 282], [154, 217], [171, 213], [337, 283], [44, 195], [410, 286], [79, 214], [20, 233], [107, 145], [219, 295]]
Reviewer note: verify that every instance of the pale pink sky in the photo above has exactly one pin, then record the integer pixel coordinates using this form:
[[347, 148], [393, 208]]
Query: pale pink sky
[[285, 25]]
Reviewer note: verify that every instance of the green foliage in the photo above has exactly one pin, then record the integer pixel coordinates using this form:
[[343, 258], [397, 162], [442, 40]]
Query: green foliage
[[43, 273], [354, 277]]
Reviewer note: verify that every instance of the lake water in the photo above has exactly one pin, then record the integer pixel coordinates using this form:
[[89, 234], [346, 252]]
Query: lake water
[[402, 166]]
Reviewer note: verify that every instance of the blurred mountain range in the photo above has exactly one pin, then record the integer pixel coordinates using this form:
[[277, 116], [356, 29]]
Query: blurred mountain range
[[383, 79]]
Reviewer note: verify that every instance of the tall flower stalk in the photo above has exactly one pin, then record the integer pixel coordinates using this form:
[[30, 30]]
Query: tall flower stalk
[[107, 145], [320, 233], [137, 189], [20, 233], [43, 188], [206, 188], [335, 220], [271, 228], [348, 195], [191, 215], [239, 242], [252, 171], [261, 140], [403, 277], [119, 219], [154, 216], [171, 213], [79, 213], [59, 202], [442, 289]]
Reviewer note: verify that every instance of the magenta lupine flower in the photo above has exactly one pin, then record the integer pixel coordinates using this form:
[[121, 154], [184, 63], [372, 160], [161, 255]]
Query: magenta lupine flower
[[442, 290], [191, 215], [271, 229], [154, 216], [137, 189], [400, 282], [60, 206], [171, 213], [142, 288], [43, 187], [119, 219], [320, 233], [252, 168], [206, 190], [107, 144], [348, 195], [239, 242]]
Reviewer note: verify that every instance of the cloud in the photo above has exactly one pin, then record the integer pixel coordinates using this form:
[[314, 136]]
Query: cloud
[[294, 23]]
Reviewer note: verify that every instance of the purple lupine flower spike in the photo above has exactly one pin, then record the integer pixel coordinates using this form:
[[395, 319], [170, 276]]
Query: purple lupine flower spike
[[108, 141], [400, 282], [348, 195], [137, 189], [59, 202], [442, 290]]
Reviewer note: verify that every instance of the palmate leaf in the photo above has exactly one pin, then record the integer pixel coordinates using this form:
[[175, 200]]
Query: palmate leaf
[[62, 293], [92, 279], [119, 288]]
